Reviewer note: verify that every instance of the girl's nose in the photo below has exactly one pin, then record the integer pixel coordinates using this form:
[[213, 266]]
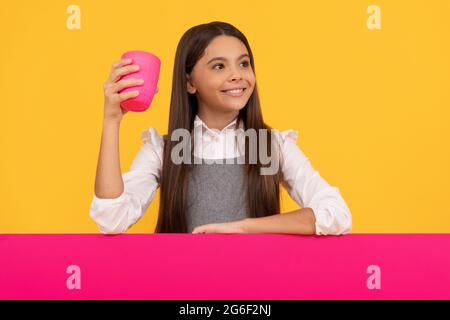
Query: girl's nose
[[236, 76]]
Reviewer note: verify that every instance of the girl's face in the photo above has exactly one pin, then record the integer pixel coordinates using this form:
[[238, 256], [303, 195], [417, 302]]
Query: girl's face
[[210, 77]]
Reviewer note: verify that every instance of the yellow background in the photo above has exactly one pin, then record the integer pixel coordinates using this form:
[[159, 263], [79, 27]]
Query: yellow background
[[371, 106]]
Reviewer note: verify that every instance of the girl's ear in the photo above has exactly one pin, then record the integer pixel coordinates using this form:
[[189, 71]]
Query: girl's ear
[[190, 88]]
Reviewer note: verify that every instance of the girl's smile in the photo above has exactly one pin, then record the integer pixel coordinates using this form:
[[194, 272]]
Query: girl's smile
[[234, 92]]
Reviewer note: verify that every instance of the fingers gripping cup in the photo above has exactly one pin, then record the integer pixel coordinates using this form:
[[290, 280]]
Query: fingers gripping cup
[[149, 66]]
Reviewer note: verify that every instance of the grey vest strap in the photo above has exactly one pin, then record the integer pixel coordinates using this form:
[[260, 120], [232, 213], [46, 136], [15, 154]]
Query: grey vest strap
[[216, 193]]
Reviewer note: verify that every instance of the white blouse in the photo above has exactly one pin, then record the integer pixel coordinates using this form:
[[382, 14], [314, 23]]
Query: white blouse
[[303, 183]]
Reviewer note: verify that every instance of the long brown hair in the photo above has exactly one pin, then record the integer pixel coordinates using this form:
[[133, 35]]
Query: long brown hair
[[263, 192]]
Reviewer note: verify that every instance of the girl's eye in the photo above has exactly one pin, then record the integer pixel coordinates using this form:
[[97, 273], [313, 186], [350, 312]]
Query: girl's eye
[[246, 63]]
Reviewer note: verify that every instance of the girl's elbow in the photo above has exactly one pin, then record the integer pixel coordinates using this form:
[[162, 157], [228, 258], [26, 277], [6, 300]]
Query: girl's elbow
[[107, 225], [107, 230], [334, 223], [347, 226], [346, 223]]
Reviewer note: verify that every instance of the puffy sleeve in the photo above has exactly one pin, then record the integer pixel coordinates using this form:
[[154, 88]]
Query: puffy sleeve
[[306, 186], [117, 215]]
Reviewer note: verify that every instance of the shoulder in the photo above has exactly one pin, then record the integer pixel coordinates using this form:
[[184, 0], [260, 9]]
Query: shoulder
[[285, 137], [151, 137], [153, 142], [288, 150]]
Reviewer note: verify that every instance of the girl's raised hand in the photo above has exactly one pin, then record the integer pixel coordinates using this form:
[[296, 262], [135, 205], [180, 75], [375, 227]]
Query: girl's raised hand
[[112, 109]]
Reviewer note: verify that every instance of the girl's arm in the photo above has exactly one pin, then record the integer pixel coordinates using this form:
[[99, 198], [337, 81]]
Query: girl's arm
[[300, 221], [108, 180], [324, 211], [118, 214], [310, 190]]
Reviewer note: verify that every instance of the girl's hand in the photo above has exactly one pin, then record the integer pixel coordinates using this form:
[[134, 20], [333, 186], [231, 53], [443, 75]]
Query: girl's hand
[[226, 227], [112, 109]]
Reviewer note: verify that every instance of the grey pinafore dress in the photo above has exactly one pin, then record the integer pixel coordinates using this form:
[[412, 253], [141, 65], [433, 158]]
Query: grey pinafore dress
[[216, 193]]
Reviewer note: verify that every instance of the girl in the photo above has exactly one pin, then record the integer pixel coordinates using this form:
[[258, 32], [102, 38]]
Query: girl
[[214, 92]]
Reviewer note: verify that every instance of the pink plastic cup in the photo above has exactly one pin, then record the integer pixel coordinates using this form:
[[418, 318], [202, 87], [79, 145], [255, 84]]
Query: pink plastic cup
[[149, 66]]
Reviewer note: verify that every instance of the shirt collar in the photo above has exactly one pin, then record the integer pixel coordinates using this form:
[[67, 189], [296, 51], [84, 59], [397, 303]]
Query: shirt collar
[[231, 125]]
